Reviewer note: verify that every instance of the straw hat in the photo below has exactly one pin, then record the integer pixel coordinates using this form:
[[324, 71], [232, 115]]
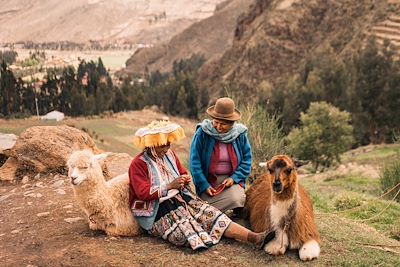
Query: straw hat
[[224, 109], [158, 133]]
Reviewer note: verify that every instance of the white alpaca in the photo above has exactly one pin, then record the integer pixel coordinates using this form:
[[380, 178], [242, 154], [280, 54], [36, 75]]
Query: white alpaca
[[105, 203]]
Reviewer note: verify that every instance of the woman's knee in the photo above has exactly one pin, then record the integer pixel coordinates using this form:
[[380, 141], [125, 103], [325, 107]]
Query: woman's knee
[[239, 197]]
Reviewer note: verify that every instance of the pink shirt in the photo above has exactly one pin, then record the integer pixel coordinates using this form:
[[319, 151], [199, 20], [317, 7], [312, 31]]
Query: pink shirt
[[224, 166]]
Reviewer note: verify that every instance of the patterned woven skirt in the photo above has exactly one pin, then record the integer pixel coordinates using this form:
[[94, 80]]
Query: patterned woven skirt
[[187, 220]]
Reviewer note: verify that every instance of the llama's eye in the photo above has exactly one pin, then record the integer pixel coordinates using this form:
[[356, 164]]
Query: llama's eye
[[288, 171]]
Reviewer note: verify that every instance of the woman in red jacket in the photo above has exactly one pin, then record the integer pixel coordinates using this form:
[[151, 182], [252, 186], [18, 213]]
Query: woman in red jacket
[[162, 202]]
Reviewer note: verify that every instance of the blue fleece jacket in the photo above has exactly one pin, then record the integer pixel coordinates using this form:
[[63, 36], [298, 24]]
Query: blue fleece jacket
[[200, 155]]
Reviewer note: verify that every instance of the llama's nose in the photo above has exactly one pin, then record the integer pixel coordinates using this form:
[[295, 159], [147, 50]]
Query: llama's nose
[[277, 185]]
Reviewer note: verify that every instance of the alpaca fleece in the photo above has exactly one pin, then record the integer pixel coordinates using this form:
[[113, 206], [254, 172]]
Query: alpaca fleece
[[106, 204]]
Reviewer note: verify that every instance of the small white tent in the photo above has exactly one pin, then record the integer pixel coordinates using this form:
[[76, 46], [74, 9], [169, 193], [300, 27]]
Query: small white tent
[[53, 115]]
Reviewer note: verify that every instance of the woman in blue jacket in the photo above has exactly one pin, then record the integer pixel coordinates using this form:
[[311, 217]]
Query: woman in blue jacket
[[220, 157]]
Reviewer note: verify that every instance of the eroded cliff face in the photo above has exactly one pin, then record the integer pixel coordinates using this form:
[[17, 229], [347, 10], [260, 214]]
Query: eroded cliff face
[[273, 38], [142, 21]]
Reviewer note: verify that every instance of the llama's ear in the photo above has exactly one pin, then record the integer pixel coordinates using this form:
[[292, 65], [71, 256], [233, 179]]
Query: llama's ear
[[262, 164], [300, 163]]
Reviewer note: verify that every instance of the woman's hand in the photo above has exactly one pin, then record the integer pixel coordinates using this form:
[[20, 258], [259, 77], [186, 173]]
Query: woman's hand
[[228, 182], [210, 191], [187, 178], [178, 183]]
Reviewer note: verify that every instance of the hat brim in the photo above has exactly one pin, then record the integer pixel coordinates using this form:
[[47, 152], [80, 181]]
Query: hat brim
[[232, 117], [154, 137]]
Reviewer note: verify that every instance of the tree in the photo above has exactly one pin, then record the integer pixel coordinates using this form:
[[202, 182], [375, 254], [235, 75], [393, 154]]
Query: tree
[[100, 68], [78, 102], [324, 134], [8, 91], [372, 68], [8, 57]]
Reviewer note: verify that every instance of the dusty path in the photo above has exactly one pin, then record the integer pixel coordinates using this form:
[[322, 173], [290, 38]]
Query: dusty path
[[34, 232]]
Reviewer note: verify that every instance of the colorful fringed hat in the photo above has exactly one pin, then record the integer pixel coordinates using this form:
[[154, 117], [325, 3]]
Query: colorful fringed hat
[[158, 133]]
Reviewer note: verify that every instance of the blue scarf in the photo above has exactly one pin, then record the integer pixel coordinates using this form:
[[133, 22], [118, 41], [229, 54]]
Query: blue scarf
[[236, 130]]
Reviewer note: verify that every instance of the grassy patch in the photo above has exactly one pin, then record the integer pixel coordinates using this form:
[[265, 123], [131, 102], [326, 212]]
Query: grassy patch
[[17, 126], [114, 134], [356, 184], [354, 198], [375, 155], [344, 243], [380, 214]]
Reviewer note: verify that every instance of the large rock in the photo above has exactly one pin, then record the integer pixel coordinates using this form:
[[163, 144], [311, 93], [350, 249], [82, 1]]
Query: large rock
[[8, 169], [116, 164], [46, 148], [7, 141]]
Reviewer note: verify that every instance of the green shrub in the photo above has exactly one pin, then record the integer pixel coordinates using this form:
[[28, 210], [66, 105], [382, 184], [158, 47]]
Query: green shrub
[[395, 230], [390, 177], [325, 134], [265, 135], [347, 201], [30, 62]]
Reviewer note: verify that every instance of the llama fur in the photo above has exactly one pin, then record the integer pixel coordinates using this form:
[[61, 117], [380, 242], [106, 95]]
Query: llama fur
[[106, 204], [270, 204]]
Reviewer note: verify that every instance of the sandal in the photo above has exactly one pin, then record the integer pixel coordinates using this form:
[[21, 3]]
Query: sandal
[[268, 236]]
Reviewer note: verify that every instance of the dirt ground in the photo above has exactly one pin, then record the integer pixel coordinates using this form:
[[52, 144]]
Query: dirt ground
[[41, 225]]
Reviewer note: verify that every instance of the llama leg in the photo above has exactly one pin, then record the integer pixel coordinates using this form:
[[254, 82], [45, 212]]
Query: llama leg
[[278, 245], [309, 250]]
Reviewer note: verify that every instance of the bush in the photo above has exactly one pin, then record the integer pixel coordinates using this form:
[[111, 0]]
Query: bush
[[325, 134], [395, 230], [390, 177], [347, 201], [265, 135], [390, 174]]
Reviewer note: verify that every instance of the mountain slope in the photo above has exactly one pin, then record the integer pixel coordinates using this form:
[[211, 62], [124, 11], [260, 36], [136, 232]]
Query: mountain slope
[[209, 37], [103, 20], [275, 36]]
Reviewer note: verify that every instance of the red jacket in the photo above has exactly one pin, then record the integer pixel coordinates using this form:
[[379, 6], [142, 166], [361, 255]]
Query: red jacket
[[139, 181]]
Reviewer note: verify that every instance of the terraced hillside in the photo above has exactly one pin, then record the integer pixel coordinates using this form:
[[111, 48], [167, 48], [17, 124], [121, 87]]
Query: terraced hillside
[[274, 37], [388, 29]]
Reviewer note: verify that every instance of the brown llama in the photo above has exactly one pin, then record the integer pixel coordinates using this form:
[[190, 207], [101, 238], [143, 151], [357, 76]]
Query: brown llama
[[276, 202]]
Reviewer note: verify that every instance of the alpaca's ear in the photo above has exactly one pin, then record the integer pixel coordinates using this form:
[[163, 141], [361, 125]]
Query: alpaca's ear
[[99, 157]]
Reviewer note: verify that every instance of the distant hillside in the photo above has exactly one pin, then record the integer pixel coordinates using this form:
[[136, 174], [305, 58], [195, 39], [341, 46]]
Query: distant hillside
[[274, 37], [150, 21], [210, 37], [256, 44]]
